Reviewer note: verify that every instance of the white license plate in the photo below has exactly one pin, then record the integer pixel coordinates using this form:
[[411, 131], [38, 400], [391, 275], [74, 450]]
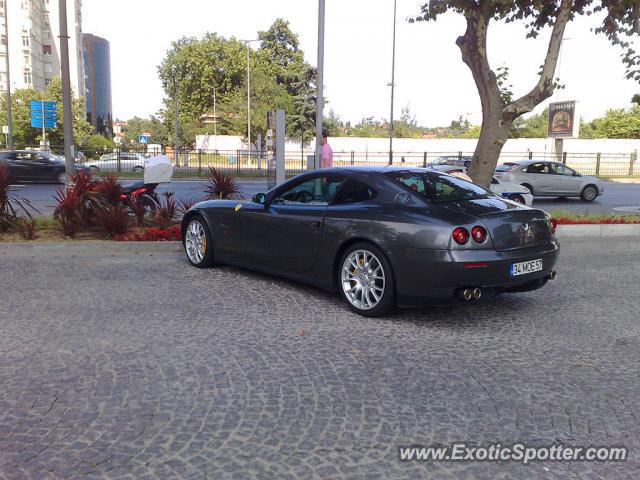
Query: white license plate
[[523, 268]]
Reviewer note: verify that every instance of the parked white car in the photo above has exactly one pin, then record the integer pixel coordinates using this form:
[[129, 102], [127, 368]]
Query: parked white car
[[512, 191]]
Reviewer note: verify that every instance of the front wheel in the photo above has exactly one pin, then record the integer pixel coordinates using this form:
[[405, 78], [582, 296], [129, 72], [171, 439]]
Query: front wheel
[[198, 243], [589, 193], [138, 169], [365, 280]]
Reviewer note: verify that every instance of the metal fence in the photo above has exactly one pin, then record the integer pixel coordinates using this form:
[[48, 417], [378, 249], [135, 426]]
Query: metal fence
[[189, 162]]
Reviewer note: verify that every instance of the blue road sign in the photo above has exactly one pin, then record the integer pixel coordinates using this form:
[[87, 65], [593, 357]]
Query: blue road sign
[[38, 114], [48, 123], [143, 139], [43, 112], [48, 106]]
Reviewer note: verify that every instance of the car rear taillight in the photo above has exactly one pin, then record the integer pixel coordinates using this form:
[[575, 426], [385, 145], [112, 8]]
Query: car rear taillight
[[123, 197], [479, 234], [460, 235], [553, 223], [139, 191]]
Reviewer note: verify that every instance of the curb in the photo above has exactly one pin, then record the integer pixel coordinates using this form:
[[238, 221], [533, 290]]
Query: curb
[[89, 247], [599, 230]]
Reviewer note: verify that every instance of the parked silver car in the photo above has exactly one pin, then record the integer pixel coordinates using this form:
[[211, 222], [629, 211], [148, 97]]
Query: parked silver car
[[550, 179], [129, 162]]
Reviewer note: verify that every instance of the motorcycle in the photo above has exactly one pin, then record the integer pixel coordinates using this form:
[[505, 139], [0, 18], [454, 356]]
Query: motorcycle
[[156, 170]]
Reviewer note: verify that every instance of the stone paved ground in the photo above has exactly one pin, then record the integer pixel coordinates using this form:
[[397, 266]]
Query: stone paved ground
[[152, 369]]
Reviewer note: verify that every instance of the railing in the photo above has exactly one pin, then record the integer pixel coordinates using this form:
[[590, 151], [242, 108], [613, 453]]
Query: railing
[[255, 164]]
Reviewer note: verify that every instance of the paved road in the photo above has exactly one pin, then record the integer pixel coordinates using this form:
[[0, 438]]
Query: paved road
[[121, 361], [617, 196]]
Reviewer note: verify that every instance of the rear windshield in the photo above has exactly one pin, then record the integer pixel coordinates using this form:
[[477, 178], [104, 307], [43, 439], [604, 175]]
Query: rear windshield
[[505, 167], [440, 188]]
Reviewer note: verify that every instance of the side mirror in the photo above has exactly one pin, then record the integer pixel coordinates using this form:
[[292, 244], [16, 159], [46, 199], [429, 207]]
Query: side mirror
[[259, 198]]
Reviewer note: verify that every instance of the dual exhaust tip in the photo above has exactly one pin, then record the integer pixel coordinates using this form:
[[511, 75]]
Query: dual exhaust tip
[[552, 275], [468, 294]]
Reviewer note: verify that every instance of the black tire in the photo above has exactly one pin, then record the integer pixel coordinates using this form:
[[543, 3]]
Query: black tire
[[526, 185], [61, 177], [387, 301], [138, 169], [94, 169], [589, 193], [518, 198], [207, 258]]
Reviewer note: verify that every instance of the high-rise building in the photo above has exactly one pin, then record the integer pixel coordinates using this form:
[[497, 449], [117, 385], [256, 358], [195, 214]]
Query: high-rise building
[[34, 43], [97, 93]]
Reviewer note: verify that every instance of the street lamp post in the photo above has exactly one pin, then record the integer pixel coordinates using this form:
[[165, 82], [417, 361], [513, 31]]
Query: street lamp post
[[393, 83], [320, 85], [6, 57]]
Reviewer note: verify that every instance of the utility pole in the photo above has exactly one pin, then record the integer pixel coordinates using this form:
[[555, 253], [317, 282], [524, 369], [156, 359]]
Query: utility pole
[[66, 92], [320, 85], [176, 143], [9, 116], [393, 83], [248, 99]]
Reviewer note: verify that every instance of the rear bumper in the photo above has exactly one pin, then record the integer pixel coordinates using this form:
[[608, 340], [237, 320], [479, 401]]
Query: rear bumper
[[423, 274]]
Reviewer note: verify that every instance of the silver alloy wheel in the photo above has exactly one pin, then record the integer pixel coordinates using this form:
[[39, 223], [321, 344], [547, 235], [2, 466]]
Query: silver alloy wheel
[[363, 279], [195, 242], [62, 177], [590, 193]]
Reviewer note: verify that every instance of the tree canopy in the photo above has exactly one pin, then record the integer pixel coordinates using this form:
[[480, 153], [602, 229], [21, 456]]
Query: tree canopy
[[620, 20], [26, 136], [195, 68]]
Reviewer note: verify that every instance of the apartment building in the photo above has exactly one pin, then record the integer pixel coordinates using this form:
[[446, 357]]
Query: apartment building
[[34, 44]]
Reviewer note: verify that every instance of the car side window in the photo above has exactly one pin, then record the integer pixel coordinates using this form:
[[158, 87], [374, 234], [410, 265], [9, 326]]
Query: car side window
[[538, 168], [353, 191], [311, 191], [559, 169]]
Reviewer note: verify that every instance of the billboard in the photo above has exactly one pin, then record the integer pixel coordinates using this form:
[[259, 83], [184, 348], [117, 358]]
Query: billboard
[[563, 120]]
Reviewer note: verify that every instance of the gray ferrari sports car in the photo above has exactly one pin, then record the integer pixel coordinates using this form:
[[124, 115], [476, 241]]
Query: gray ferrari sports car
[[381, 236]]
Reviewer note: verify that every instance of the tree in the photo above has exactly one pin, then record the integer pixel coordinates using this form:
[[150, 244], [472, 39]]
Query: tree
[[533, 127], [196, 69], [617, 123], [622, 19], [25, 135]]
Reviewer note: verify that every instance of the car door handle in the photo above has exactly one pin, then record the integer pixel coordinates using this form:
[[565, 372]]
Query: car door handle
[[315, 224]]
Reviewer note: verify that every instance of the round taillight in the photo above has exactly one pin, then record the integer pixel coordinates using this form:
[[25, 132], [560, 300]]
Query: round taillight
[[479, 234], [460, 235]]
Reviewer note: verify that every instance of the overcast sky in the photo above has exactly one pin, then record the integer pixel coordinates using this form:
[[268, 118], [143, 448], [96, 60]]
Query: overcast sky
[[430, 75]]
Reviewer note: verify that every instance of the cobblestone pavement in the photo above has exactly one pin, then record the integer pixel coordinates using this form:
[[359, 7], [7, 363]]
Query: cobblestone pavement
[[152, 369]]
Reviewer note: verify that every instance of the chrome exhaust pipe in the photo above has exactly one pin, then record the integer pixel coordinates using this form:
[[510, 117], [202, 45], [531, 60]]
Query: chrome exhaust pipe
[[467, 294], [552, 275], [477, 293]]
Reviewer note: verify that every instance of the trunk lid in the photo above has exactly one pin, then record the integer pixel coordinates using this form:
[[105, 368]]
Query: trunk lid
[[510, 226]]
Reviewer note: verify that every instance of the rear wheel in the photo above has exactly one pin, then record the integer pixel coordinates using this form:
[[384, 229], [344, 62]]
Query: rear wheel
[[94, 169], [198, 243], [365, 280], [138, 169], [589, 193]]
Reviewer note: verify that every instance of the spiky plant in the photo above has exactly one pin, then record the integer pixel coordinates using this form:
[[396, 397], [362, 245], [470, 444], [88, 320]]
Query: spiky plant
[[221, 185]]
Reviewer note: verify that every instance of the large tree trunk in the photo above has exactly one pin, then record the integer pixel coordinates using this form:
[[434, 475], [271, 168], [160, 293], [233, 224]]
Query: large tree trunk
[[493, 135], [497, 114]]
